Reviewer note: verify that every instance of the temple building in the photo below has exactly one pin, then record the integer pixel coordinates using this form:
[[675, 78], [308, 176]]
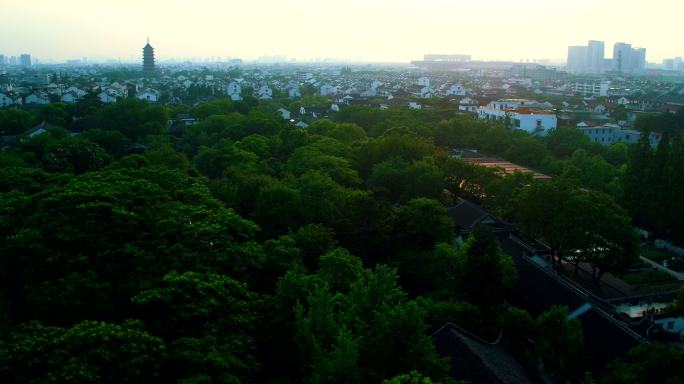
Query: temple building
[[148, 57]]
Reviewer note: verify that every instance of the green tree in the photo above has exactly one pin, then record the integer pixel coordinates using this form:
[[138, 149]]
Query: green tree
[[340, 269], [326, 156], [548, 210], [114, 142], [314, 241], [74, 156], [278, 209], [88, 352], [563, 141], [560, 344], [14, 121], [527, 150], [206, 320], [422, 223], [609, 242], [84, 248], [645, 365], [487, 271], [55, 114], [637, 190], [399, 181]]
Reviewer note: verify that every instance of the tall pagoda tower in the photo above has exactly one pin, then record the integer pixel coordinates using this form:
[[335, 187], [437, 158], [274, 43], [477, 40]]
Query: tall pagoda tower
[[148, 57]]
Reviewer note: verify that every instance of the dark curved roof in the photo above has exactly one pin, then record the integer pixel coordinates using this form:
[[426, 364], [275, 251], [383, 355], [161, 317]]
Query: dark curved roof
[[478, 361], [467, 216]]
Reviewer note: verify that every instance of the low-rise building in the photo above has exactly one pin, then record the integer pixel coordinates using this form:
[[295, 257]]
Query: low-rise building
[[150, 95], [327, 90], [234, 90], [264, 92], [36, 99], [591, 88], [284, 113], [608, 134], [294, 93], [468, 104], [519, 114], [5, 100], [455, 90]]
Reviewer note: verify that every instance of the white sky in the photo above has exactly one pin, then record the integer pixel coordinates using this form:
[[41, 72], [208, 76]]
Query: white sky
[[371, 30]]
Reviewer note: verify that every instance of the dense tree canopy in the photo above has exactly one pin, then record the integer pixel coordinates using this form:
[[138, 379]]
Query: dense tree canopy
[[244, 249]]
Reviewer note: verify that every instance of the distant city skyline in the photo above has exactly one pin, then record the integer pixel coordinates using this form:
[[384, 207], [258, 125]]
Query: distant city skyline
[[377, 31]]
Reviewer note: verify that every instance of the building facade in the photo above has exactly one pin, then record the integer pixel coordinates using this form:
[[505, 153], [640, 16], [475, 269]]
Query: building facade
[[25, 60], [591, 88], [627, 59], [586, 58], [608, 134], [520, 114]]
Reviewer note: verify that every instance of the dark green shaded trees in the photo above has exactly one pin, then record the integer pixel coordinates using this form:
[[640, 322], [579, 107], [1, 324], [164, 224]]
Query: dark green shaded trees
[[207, 321], [649, 363], [88, 352], [487, 272], [560, 344]]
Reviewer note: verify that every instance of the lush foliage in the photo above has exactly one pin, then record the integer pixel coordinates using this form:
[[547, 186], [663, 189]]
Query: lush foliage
[[245, 249]]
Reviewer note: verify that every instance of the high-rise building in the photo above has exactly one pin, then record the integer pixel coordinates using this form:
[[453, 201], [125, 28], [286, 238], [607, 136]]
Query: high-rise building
[[678, 64], [622, 53], [638, 59], [13, 60], [577, 58], [669, 64], [25, 60], [586, 59], [3, 60], [627, 59], [148, 57], [595, 56], [675, 64]]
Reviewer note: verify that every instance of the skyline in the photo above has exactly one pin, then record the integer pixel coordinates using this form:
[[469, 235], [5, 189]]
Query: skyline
[[307, 29]]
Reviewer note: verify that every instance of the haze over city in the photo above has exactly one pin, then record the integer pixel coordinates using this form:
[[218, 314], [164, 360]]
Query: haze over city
[[377, 31]]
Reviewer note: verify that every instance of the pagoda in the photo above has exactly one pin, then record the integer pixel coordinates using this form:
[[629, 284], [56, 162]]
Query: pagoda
[[148, 57]]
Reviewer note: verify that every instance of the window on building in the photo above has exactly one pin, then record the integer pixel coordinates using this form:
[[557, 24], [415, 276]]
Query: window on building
[[539, 124]]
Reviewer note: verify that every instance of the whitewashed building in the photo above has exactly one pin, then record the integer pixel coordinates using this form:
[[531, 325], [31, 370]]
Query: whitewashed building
[[150, 95], [608, 134], [69, 98], [423, 81], [265, 92], [36, 99], [284, 113], [591, 88], [468, 104], [106, 98], [519, 114], [455, 90], [5, 100], [234, 90], [327, 90]]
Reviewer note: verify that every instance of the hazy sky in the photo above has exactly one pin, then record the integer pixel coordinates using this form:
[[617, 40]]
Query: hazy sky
[[371, 30]]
